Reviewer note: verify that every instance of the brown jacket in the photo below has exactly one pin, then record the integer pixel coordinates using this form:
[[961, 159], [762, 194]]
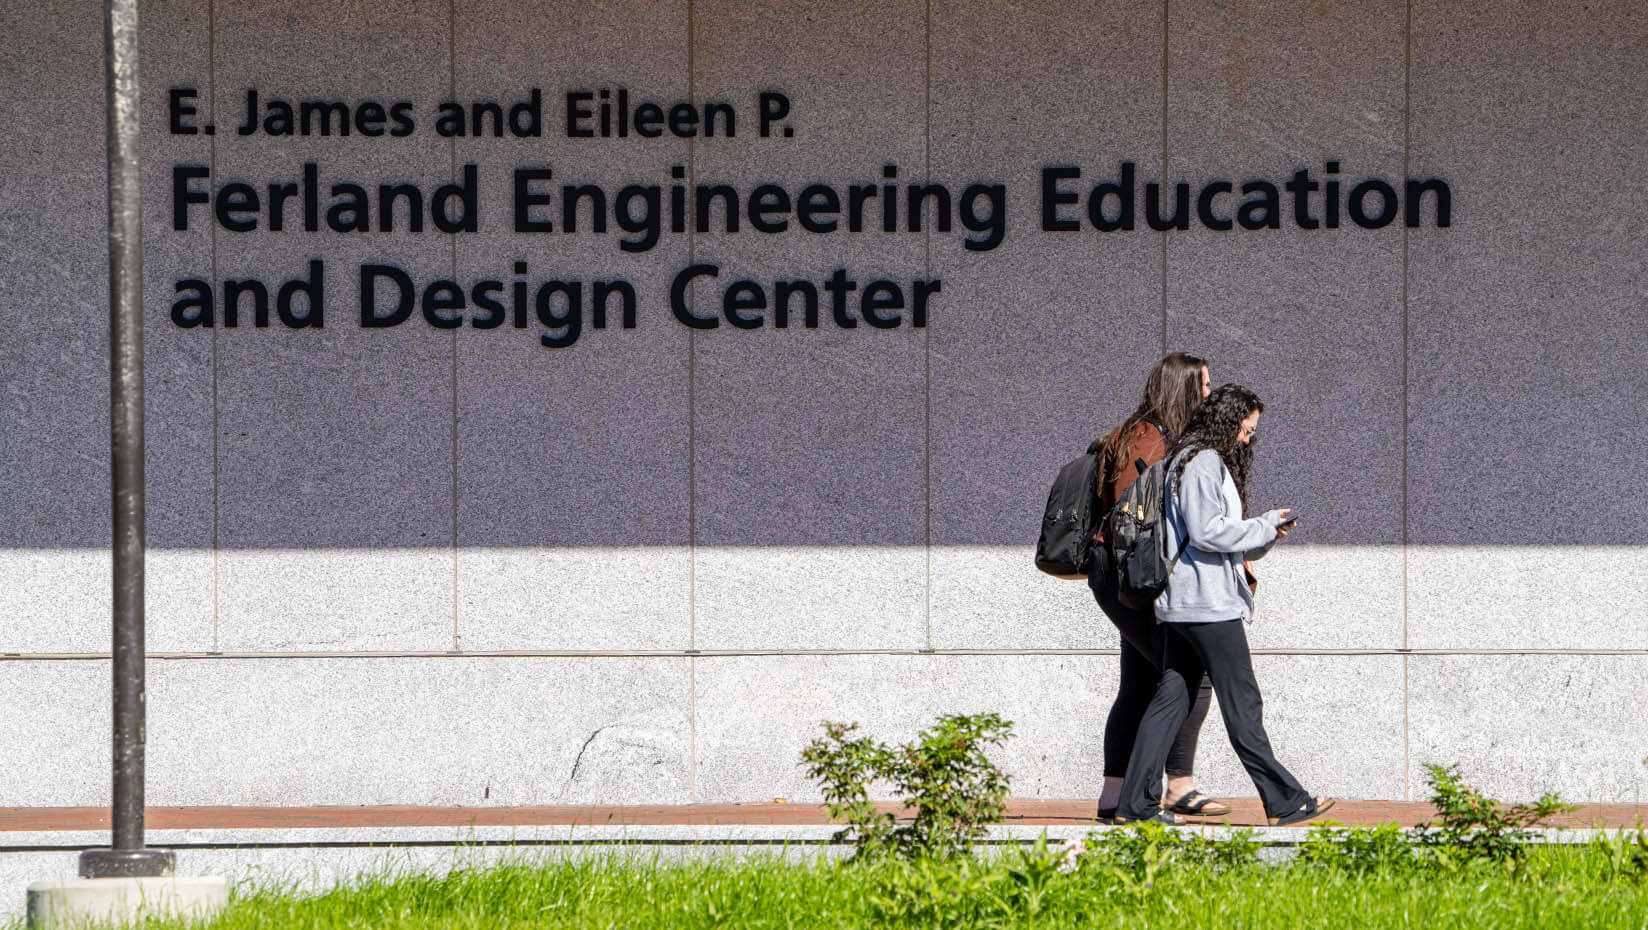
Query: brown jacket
[[1143, 441]]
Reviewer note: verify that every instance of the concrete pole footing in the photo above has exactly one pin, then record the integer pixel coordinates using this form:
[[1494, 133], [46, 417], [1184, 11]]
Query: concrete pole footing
[[76, 902]]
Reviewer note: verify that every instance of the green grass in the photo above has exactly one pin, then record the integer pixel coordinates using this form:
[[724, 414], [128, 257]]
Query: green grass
[[1559, 887]]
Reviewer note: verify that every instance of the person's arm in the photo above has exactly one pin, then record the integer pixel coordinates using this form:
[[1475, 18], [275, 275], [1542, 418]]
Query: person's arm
[[1201, 500], [1259, 552], [1273, 518]]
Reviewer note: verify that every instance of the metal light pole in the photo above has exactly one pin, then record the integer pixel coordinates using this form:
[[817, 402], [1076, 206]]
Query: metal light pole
[[127, 857]]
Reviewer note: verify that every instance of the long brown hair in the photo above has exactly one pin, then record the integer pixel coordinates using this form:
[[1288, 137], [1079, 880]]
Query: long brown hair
[[1171, 394]]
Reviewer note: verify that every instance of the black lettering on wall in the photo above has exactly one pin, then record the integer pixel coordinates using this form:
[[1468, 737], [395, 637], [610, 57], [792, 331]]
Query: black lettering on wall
[[1442, 196], [1052, 197], [1204, 205], [1359, 209]]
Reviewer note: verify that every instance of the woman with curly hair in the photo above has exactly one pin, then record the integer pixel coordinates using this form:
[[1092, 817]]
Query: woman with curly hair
[[1204, 607], [1175, 388]]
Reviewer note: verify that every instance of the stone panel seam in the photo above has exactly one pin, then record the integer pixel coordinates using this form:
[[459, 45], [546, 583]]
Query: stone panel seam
[[1407, 746], [927, 344], [1165, 37], [1407, 114], [739, 653], [1407, 145], [692, 366], [211, 142], [452, 153], [692, 441], [692, 728]]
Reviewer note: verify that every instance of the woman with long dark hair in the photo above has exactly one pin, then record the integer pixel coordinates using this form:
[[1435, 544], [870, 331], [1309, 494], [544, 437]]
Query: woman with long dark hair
[[1203, 610], [1172, 393]]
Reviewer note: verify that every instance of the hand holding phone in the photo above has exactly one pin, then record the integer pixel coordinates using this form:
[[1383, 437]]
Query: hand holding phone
[[1287, 523]]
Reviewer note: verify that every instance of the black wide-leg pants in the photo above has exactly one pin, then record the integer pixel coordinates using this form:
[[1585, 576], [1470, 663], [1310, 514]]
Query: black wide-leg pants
[[1143, 640], [1220, 650]]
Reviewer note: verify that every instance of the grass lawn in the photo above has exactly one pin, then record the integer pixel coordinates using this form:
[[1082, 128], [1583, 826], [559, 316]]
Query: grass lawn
[[1112, 887]]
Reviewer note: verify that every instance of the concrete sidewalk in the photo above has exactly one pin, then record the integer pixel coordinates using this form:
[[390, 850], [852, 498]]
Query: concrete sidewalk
[[1020, 812], [309, 849]]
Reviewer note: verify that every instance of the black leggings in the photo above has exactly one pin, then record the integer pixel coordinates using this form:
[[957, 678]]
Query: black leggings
[[1142, 645], [1192, 651]]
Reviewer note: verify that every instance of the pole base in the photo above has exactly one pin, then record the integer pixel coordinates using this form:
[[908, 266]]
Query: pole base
[[127, 863], [77, 903]]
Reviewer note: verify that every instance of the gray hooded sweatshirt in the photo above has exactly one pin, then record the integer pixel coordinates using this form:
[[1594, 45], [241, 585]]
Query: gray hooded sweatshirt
[[1207, 534]]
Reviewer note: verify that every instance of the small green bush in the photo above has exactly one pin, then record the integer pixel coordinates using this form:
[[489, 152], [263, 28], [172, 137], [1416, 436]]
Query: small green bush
[[845, 766], [944, 776], [1472, 830], [1475, 827]]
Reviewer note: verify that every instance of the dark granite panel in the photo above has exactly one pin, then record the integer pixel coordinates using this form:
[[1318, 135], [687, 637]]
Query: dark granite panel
[[1045, 341], [335, 461], [809, 437], [573, 488], [1528, 349], [1310, 319]]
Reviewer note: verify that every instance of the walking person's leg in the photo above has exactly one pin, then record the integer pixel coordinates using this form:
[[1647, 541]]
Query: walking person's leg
[[1142, 787], [1181, 759], [1141, 671], [1139, 676], [1223, 647]]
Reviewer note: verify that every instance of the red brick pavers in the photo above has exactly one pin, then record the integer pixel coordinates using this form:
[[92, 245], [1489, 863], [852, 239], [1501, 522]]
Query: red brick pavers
[[1027, 812]]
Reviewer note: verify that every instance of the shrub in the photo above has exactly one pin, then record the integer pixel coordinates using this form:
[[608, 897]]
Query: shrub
[[944, 776], [845, 766], [1475, 827], [953, 786]]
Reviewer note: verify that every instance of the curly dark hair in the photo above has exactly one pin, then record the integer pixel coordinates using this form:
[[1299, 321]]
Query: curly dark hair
[[1215, 425]]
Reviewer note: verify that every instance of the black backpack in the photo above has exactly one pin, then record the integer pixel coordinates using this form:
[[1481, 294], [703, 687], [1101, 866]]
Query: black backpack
[[1067, 528], [1136, 532]]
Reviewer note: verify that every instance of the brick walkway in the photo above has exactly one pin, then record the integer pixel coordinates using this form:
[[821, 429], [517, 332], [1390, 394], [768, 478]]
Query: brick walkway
[[1026, 812]]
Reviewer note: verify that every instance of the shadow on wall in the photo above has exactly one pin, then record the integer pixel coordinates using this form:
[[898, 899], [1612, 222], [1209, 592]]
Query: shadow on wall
[[1554, 480]]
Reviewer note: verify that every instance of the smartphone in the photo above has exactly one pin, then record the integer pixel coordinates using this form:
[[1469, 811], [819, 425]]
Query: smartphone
[[1292, 518]]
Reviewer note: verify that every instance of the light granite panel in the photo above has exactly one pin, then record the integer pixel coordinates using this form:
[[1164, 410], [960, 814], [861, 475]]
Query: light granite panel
[[58, 751], [56, 286], [1045, 340], [1334, 720], [992, 597], [808, 442], [1316, 595], [335, 444], [54, 461], [1312, 597], [573, 487], [1528, 597], [1519, 726], [178, 362], [1310, 319], [473, 732], [756, 713], [1526, 322], [600, 598], [58, 600]]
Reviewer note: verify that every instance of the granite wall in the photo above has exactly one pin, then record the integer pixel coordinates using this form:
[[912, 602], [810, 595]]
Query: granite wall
[[454, 566]]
